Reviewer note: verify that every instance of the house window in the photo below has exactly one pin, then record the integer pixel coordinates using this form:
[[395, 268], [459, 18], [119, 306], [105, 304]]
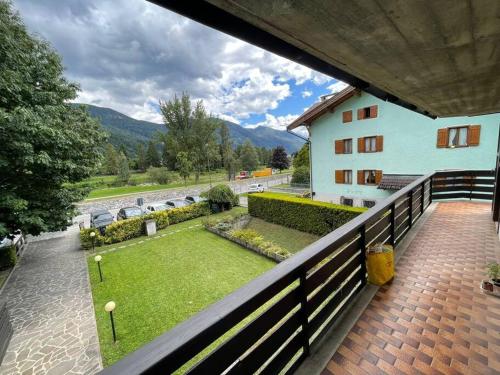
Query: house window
[[368, 204], [367, 112], [347, 146], [369, 177], [347, 177], [370, 144], [457, 137], [347, 116], [346, 201]]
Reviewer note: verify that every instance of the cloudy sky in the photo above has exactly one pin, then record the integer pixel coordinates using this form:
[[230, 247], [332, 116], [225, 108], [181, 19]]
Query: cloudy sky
[[128, 54]]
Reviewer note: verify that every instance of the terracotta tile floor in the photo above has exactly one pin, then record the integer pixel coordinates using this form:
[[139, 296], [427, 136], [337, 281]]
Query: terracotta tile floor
[[433, 318]]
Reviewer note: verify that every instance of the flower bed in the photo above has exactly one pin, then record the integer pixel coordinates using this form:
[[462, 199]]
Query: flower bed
[[233, 230]]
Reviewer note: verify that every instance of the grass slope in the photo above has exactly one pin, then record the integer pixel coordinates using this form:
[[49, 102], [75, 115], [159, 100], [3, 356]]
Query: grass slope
[[161, 282]]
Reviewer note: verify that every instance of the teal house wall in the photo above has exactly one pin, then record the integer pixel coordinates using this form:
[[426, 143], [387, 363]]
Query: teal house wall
[[409, 147]]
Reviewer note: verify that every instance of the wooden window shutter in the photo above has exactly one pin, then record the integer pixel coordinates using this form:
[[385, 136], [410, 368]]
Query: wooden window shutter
[[339, 176], [373, 111], [380, 143], [378, 176], [361, 114], [442, 138], [347, 116], [361, 145], [473, 135], [361, 177], [339, 146]]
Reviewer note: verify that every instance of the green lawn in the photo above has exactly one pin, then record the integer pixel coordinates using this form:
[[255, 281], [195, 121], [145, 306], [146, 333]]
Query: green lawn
[[288, 238], [161, 282]]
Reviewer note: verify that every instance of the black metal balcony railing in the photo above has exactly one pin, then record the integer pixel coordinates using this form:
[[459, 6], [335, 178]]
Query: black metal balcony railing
[[296, 301]]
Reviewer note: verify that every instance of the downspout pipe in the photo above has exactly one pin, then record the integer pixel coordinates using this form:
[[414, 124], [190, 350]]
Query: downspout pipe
[[308, 140]]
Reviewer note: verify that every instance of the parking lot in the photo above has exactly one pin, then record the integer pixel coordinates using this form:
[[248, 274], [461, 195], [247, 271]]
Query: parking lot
[[114, 204]]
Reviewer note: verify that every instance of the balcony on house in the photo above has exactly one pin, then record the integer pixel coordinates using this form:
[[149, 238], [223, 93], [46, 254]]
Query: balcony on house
[[315, 312]]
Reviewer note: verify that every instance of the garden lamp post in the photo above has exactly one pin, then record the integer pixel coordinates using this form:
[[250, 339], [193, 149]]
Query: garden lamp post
[[98, 259], [92, 237], [109, 307]]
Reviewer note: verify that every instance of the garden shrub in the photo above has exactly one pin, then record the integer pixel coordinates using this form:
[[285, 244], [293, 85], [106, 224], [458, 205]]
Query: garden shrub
[[301, 213], [222, 196], [161, 175], [86, 240], [247, 235], [301, 176], [8, 257], [123, 230], [255, 239]]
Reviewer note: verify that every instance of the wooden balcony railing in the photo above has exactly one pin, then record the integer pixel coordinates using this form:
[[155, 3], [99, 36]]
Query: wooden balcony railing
[[292, 306]]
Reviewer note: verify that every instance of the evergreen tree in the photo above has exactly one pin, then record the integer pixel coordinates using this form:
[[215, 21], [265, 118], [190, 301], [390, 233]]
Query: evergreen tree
[[141, 158], [248, 157], [47, 144], [280, 159], [302, 157], [111, 160], [123, 150], [228, 156], [152, 156]]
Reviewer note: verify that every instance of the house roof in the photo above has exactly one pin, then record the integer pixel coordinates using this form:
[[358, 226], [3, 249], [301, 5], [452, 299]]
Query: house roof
[[396, 181], [319, 109], [439, 58]]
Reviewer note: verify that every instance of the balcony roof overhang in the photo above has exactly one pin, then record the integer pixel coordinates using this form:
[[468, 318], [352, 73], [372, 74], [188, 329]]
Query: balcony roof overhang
[[438, 58]]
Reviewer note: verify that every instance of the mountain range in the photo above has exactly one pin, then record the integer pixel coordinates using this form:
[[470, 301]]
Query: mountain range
[[129, 132]]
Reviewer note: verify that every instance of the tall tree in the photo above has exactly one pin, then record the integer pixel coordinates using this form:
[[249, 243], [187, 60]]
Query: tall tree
[[302, 157], [141, 157], [228, 156], [184, 165], [279, 159], [152, 156], [190, 130], [47, 144], [248, 157], [123, 169], [111, 160]]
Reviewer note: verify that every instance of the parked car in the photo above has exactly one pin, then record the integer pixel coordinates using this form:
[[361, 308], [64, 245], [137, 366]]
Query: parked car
[[195, 199], [100, 219], [155, 207], [256, 188], [129, 212], [176, 203]]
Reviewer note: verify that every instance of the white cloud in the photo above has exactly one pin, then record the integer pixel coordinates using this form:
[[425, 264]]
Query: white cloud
[[337, 87], [275, 122], [306, 93], [128, 54]]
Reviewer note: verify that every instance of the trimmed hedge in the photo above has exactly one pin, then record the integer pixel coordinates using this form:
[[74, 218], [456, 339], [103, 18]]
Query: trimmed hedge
[[301, 213], [124, 230]]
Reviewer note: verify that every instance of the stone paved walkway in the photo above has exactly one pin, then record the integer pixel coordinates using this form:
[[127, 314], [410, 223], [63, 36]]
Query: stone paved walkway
[[50, 305], [433, 319]]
